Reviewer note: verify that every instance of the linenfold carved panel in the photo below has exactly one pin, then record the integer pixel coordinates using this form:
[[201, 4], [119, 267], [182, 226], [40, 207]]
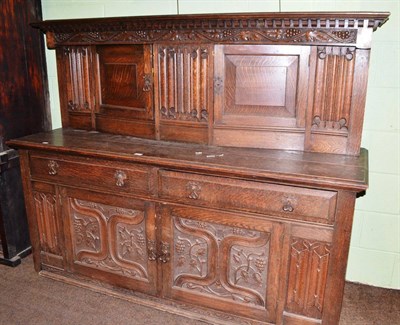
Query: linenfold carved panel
[[109, 238], [333, 88], [221, 261], [45, 209], [307, 278], [78, 65], [183, 82]]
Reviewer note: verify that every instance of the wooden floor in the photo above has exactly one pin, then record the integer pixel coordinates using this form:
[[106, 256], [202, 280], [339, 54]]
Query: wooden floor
[[27, 298]]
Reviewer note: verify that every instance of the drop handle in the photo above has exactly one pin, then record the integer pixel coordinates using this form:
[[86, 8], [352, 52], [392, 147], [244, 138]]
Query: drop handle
[[151, 250], [120, 178], [165, 255], [287, 207], [53, 167]]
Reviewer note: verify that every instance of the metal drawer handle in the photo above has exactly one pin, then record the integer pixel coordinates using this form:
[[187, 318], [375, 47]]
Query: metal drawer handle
[[164, 257], [147, 82], [193, 190], [53, 167], [151, 250], [287, 207], [120, 177]]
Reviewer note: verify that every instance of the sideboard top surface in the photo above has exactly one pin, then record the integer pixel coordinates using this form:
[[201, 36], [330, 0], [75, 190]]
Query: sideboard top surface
[[294, 167]]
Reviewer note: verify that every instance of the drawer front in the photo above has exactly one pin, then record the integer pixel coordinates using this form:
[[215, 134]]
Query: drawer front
[[279, 200], [90, 173]]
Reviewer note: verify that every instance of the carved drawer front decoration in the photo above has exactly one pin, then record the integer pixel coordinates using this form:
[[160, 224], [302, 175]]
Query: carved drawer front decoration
[[45, 208], [109, 238], [307, 277], [78, 60], [333, 89], [183, 82], [221, 261]]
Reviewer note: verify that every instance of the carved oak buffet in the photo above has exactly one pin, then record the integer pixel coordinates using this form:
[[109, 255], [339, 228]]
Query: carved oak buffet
[[208, 165]]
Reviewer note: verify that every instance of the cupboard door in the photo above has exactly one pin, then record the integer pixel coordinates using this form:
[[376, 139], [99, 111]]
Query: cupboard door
[[49, 224], [111, 238], [222, 261], [260, 90], [77, 94], [183, 91], [125, 91]]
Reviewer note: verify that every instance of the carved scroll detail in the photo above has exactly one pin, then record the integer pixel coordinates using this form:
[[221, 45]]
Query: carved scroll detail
[[109, 238], [240, 275], [307, 276], [220, 35], [193, 115]]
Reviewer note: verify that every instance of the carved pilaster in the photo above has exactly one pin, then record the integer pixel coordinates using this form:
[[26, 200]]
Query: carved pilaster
[[333, 84], [307, 277], [45, 208], [183, 83]]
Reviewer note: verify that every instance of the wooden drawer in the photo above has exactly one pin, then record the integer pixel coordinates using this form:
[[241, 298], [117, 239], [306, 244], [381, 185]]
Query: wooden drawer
[[280, 200], [91, 173]]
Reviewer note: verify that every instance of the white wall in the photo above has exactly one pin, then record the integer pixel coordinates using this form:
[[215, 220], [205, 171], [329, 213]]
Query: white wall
[[375, 245]]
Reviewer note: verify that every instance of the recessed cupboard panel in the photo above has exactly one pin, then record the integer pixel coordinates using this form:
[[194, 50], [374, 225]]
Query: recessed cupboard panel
[[261, 89], [260, 86], [125, 91]]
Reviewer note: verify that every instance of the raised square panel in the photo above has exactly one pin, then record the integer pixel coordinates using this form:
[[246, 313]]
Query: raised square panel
[[125, 83], [255, 85], [122, 87], [260, 86]]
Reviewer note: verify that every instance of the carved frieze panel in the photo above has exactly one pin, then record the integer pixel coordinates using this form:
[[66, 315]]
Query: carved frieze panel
[[221, 261], [307, 276], [183, 82], [45, 208], [333, 89], [218, 35], [109, 238]]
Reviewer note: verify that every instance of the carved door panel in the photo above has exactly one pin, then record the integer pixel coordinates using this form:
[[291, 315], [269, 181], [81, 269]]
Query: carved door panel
[[111, 238], [260, 95], [222, 261], [183, 79], [77, 95], [309, 255], [49, 224], [125, 91]]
